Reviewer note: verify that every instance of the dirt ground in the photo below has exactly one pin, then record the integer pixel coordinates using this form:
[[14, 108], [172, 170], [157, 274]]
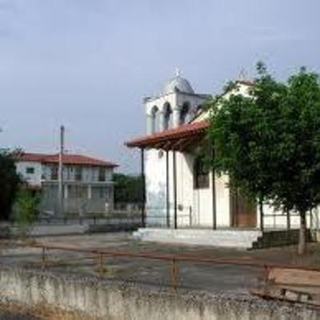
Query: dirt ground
[[192, 275]]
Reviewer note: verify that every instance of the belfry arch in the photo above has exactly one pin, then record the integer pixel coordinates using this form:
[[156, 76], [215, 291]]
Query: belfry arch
[[167, 116], [184, 116], [154, 119]]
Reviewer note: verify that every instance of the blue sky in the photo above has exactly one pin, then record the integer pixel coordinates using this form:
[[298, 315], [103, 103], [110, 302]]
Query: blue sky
[[87, 64]]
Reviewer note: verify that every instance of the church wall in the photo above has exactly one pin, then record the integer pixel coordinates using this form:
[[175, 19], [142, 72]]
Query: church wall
[[155, 174], [196, 204], [222, 201], [184, 188], [203, 205]]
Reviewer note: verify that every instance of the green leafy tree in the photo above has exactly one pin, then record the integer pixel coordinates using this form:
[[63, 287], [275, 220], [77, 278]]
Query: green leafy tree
[[297, 179], [9, 182], [25, 209], [268, 142], [127, 188]]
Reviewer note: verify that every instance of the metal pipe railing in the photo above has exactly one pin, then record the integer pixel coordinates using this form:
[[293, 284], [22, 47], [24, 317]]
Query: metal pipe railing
[[175, 260]]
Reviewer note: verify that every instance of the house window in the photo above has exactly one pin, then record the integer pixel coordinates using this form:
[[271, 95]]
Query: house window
[[102, 174], [78, 173], [99, 193], [30, 170], [201, 173], [77, 192], [54, 173]]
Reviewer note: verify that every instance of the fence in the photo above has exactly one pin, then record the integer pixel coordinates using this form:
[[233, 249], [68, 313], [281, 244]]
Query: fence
[[283, 221], [101, 258], [186, 217], [158, 216], [88, 220]]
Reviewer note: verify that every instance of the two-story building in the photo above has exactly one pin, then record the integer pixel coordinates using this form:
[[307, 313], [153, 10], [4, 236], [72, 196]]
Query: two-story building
[[87, 182]]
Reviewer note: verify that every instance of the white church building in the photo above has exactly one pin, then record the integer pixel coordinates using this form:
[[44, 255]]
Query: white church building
[[184, 201]]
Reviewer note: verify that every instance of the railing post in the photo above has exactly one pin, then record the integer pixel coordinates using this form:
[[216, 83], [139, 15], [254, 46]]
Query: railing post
[[43, 258], [143, 221], [266, 274], [214, 196], [101, 265], [175, 190], [174, 275], [167, 189], [288, 220], [261, 214]]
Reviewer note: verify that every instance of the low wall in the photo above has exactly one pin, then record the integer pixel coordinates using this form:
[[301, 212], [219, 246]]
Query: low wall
[[42, 230], [116, 301], [280, 238]]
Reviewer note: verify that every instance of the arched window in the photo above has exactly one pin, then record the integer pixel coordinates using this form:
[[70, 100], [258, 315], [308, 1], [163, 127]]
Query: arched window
[[184, 113], [200, 173], [154, 119], [167, 114]]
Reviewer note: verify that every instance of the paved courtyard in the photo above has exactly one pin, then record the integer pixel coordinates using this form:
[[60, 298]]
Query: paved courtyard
[[192, 275]]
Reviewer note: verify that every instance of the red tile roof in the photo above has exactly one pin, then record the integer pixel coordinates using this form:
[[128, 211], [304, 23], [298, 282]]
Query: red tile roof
[[71, 159], [33, 157], [182, 132]]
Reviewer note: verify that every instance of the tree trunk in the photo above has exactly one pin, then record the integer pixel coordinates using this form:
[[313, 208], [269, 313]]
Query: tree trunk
[[261, 213], [302, 234]]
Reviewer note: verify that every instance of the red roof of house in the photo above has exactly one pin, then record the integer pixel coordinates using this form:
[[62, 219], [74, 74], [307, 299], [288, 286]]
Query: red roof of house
[[71, 159], [183, 132]]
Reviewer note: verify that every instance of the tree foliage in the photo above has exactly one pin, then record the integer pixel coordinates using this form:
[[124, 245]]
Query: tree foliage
[[127, 188], [9, 182], [269, 141], [25, 209]]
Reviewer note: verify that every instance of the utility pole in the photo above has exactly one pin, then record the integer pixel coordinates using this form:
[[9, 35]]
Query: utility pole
[[60, 172]]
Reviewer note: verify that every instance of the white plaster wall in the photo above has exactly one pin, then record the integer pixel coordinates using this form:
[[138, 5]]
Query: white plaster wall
[[194, 205], [199, 201], [155, 175], [160, 102], [174, 99], [33, 179], [184, 189], [203, 205], [242, 89], [222, 201]]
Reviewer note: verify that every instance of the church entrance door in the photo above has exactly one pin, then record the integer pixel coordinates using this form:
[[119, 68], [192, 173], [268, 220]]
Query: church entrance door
[[243, 211]]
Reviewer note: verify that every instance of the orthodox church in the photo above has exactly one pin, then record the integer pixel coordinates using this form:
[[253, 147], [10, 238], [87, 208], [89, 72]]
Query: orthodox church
[[184, 201]]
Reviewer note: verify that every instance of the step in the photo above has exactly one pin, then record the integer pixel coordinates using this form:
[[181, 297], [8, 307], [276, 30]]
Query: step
[[218, 238]]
